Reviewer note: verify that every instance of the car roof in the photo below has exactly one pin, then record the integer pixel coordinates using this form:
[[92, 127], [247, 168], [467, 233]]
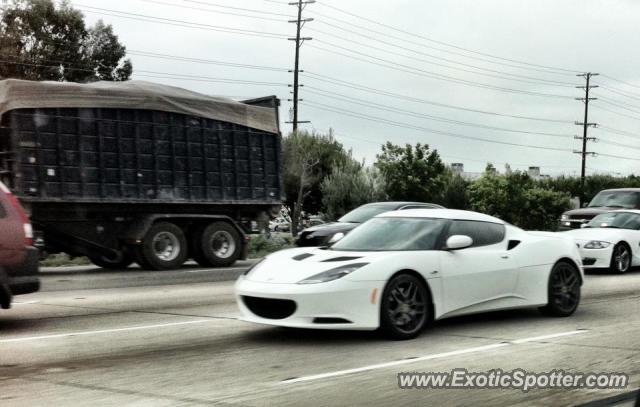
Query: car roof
[[636, 211], [398, 204], [621, 190], [441, 214]]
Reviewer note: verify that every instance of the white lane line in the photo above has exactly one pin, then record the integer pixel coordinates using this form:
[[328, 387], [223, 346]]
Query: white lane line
[[104, 331], [427, 357], [543, 337]]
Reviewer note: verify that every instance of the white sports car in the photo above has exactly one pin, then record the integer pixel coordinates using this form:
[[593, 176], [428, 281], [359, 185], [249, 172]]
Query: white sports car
[[403, 269], [610, 240]]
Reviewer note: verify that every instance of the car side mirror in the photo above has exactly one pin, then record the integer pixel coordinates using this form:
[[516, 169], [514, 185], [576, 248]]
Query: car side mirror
[[457, 242], [336, 237], [583, 225]]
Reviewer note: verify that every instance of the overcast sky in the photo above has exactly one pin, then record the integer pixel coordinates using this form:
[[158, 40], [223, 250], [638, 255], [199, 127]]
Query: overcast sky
[[575, 35]]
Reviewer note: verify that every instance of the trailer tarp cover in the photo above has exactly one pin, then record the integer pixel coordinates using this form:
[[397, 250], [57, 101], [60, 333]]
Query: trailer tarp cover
[[21, 94]]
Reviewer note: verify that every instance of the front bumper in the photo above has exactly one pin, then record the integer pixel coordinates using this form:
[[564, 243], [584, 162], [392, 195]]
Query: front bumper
[[596, 258], [339, 304]]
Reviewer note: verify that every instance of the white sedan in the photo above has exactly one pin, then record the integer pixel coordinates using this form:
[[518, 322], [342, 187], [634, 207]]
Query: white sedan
[[610, 240], [403, 269]]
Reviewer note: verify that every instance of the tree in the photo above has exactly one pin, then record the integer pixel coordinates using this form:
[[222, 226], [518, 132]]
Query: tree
[[518, 199], [411, 173], [455, 194], [348, 187], [308, 159], [40, 41]]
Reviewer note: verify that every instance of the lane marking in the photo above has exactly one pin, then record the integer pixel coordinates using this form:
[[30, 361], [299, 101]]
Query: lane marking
[[428, 357], [394, 363], [543, 337], [104, 331]]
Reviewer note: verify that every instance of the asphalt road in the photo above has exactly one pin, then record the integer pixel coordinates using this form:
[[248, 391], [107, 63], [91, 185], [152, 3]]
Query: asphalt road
[[95, 337]]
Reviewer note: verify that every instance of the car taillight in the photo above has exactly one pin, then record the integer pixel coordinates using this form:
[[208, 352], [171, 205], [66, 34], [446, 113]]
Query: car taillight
[[28, 230]]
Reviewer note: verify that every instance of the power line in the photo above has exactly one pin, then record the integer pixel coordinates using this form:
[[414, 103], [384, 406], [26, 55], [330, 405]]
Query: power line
[[368, 37], [166, 75], [419, 128], [179, 23], [624, 106], [516, 77], [239, 8], [621, 81], [616, 113], [203, 61], [620, 93], [565, 70], [420, 72], [363, 88], [387, 108], [212, 11]]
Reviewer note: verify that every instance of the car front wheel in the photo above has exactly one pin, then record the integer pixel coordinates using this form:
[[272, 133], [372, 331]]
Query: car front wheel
[[621, 258], [404, 308], [563, 290]]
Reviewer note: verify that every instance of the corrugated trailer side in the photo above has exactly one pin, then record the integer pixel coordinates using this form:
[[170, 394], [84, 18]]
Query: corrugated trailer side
[[154, 185]]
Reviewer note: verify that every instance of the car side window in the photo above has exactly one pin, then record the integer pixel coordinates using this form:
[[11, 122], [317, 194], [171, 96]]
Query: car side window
[[482, 233]]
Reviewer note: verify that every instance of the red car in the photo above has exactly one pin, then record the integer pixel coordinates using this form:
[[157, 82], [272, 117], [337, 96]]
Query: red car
[[18, 257]]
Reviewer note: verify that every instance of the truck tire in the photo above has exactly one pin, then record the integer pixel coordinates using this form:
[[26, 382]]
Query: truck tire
[[120, 263], [219, 245], [164, 247]]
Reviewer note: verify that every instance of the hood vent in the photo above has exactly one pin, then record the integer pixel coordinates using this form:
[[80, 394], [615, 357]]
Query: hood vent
[[302, 256], [343, 258]]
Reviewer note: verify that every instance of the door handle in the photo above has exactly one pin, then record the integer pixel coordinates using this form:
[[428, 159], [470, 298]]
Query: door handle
[[504, 256]]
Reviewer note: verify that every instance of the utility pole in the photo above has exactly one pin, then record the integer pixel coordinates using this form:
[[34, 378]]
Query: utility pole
[[296, 69], [585, 125]]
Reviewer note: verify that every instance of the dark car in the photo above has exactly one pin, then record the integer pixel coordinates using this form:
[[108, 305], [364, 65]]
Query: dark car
[[605, 201], [18, 257], [321, 235]]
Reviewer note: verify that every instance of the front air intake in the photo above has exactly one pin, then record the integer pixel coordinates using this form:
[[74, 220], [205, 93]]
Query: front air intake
[[270, 308]]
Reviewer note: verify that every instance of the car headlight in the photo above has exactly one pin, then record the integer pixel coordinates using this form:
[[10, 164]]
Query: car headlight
[[597, 244], [253, 267], [332, 274], [564, 217]]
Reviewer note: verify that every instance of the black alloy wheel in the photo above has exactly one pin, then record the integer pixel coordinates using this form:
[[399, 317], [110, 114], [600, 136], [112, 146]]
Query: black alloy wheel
[[563, 290], [404, 308]]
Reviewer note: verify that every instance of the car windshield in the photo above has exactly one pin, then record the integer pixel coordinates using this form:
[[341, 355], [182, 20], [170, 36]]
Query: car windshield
[[391, 234], [622, 220], [364, 213], [621, 199]]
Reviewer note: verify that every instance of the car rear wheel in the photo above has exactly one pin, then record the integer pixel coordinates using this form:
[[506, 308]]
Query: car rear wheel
[[404, 307], [621, 258], [563, 290], [164, 247]]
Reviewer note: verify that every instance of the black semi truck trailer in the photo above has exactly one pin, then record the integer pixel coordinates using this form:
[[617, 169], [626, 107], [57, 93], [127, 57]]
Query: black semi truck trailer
[[136, 171]]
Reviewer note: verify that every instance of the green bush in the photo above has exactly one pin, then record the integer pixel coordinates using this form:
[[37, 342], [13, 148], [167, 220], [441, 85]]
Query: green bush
[[260, 245], [518, 199]]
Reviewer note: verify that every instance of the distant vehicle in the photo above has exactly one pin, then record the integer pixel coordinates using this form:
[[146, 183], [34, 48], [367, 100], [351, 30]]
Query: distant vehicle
[[174, 175], [280, 225], [605, 201], [610, 240], [18, 257], [401, 270], [321, 235], [315, 221]]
